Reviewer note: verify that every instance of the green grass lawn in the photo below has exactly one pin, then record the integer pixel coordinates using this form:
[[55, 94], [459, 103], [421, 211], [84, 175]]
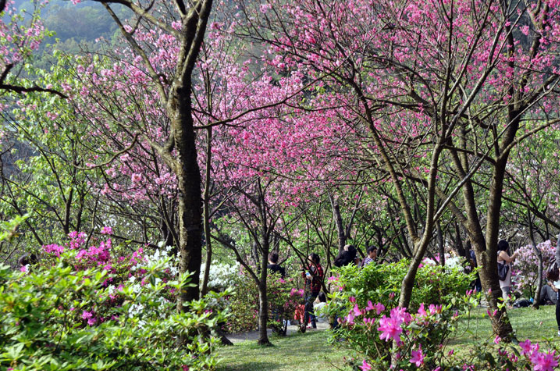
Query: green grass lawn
[[528, 323], [311, 351], [298, 352]]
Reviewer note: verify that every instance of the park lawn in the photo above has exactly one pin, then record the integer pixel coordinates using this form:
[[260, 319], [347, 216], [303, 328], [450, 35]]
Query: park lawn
[[297, 352], [528, 323], [311, 351]]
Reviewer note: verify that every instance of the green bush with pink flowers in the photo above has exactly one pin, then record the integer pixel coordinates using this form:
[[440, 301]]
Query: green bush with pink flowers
[[90, 309]]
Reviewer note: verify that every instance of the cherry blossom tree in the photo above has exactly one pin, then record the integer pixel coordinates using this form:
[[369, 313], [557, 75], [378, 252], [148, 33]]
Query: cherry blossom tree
[[458, 82]]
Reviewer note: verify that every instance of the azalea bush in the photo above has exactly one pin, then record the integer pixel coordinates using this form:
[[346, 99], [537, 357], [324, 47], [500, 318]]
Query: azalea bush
[[283, 297], [221, 275], [382, 283], [92, 309], [525, 267], [283, 300], [392, 338]]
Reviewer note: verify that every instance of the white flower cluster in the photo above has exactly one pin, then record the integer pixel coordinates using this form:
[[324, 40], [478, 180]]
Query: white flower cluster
[[221, 275], [158, 255]]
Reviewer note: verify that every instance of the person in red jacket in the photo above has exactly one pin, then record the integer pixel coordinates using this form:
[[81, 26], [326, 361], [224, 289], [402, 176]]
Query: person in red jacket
[[313, 282]]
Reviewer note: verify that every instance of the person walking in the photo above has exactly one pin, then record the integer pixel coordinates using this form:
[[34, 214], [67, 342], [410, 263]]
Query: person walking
[[313, 281]]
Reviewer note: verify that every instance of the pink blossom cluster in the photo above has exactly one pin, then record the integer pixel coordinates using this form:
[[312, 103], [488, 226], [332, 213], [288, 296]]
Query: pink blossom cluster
[[525, 267], [122, 271], [542, 361], [395, 327]]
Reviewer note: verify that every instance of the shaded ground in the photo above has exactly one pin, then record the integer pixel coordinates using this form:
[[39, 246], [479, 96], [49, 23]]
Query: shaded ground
[[296, 352], [254, 335]]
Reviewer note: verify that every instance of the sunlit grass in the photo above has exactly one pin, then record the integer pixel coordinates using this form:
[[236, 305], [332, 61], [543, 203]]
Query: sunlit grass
[[311, 351], [298, 352]]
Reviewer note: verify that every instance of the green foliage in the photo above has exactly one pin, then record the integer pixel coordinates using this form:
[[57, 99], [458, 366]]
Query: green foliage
[[43, 323], [382, 283], [244, 303]]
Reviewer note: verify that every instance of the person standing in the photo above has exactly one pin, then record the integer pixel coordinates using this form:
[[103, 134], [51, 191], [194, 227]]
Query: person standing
[[313, 281], [505, 258], [273, 265], [346, 256], [556, 285], [371, 255]]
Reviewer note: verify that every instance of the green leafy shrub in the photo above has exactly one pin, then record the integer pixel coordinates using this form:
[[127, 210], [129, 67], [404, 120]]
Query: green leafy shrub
[[244, 303], [68, 315], [382, 283]]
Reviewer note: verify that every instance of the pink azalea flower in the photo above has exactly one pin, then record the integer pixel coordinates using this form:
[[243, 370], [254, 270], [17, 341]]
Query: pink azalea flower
[[422, 311], [497, 340], [352, 299], [23, 268], [526, 347], [417, 357], [365, 366], [369, 306], [106, 230], [390, 328], [379, 308], [357, 311], [86, 315], [544, 362], [350, 318], [435, 308]]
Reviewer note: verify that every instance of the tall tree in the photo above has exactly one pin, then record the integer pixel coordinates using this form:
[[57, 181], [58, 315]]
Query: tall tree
[[460, 82]]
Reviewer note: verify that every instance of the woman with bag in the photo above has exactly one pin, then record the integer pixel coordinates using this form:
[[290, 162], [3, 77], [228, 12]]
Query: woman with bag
[[505, 259], [553, 276]]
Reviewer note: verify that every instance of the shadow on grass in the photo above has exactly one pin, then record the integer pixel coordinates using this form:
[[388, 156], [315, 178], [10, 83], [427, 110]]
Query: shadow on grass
[[249, 366], [297, 352]]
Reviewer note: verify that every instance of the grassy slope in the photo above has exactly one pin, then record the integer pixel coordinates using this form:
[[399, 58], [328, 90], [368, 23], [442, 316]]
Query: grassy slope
[[312, 352], [298, 352]]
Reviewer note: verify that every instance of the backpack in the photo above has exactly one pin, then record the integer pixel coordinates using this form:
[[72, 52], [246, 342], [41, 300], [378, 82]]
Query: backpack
[[503, 269], [552, 272]]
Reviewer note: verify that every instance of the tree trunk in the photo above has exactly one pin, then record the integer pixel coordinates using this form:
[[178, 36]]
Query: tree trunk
[[263, 302], [537, 294], [206, 218], [190, 197], [440, 244], [487, 259], [337, 217]]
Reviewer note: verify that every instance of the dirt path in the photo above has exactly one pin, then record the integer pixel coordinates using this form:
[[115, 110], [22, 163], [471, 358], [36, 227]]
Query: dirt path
[[254, 335]]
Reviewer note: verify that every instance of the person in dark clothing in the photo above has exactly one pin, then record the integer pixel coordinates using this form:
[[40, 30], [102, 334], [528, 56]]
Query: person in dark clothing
[[556, 286], [477, 284], [548, 294], [273, 265], [346, 256], [313, 282]]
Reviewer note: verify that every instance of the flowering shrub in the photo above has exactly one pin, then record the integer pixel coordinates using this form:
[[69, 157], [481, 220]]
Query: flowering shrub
[[382, 283], [283, 298], [244, 303], [525, 267], [393, 338], [221, 276], [85, 308]]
